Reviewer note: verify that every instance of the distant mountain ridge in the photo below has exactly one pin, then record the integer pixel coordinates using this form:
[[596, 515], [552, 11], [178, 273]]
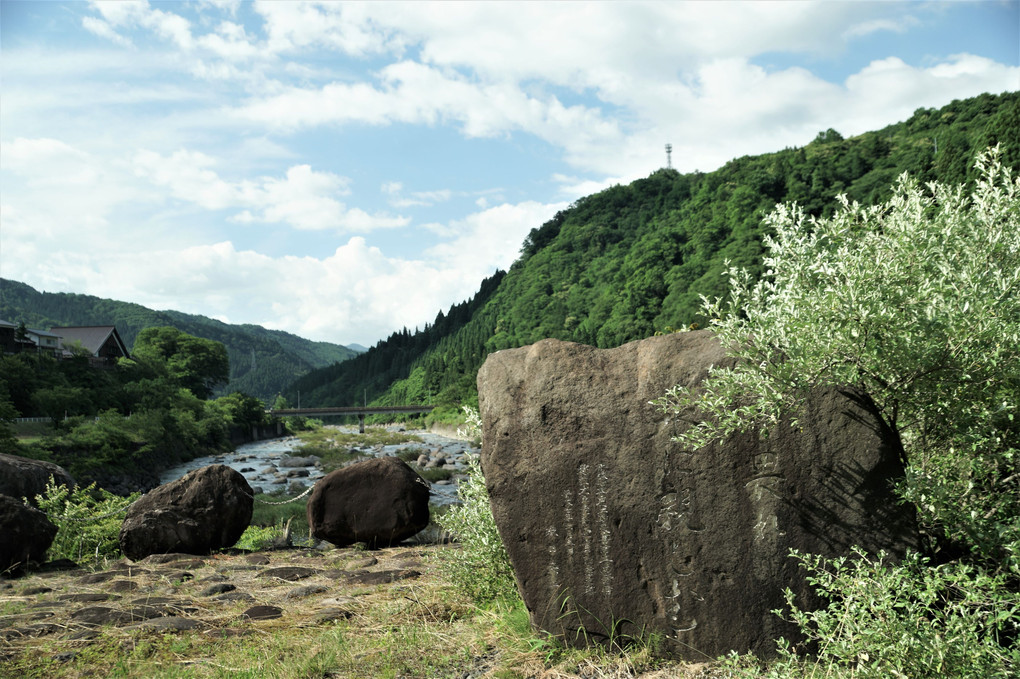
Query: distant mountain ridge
[[262, 361], [633, 260]]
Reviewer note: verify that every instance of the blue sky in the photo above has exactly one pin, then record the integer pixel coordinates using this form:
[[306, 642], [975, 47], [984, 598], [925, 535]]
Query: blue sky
[[342, 170]]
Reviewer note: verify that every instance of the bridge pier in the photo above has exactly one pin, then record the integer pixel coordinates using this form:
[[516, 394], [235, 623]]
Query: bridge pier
[[361, 424]]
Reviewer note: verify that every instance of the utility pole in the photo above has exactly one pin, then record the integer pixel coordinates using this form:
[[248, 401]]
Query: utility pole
[[669, 158]]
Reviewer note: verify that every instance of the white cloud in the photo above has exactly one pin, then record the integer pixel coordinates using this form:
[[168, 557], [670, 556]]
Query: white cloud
[[134, 14], [491, 239], [396, 197], [342, 26], [900, 25], [304, 199], [230, 42], [412, 93], [105, 30]]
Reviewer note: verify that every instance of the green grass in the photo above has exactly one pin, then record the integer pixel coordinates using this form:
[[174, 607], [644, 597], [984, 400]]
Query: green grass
[[277, 515], [32, 432], [338, 448], [335, 437], [409, 455], [436, 474]]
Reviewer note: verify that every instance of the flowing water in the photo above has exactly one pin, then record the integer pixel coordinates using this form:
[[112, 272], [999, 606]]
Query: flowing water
[[278, 464]]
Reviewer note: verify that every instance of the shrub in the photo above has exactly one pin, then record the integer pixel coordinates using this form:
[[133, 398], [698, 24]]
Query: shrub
[[88, 521], [256, 538], [481, 568], [909, 619], [916, 302]]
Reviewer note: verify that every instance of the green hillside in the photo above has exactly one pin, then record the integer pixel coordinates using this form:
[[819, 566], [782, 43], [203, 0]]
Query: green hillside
[[262, 362], [634, 260]]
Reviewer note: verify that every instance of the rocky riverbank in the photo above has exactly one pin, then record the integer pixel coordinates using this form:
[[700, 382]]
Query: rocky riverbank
[[282, 465]]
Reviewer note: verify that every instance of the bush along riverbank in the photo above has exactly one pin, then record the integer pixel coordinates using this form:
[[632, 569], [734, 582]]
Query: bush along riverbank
[[119, 427]]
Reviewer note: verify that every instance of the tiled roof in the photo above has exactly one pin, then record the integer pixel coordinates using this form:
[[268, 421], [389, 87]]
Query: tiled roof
[[91, 337]]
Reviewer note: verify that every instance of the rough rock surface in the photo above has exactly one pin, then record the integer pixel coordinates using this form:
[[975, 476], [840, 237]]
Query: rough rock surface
[[204, 510], [23, 477], [379, 501], [25, 534], [613, 529]]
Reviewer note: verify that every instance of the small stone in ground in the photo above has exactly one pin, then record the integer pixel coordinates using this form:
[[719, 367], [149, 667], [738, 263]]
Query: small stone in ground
[[299, 592], [262, 613], [86, 597], [123, 586], [169, 624], [221, 588], [331, 614], [289, 573]]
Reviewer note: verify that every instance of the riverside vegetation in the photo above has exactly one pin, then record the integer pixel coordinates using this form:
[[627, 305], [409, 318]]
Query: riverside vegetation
[[119, 427]]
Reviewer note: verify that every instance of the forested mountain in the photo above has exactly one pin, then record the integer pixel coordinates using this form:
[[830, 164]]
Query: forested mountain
[[262, 362], [634, 260]]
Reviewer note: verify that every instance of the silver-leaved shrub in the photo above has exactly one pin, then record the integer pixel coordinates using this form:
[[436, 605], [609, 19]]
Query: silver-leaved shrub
[[480, 568], [917, 302]]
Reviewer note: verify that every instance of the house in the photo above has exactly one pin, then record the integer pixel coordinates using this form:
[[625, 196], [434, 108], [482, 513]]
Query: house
[[45, 342], [101, 342], [9, 343], [15, 338], [8, 337]]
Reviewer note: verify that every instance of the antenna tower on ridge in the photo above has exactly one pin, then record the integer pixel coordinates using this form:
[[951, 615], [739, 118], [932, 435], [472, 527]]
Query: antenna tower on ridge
[[669, 158]]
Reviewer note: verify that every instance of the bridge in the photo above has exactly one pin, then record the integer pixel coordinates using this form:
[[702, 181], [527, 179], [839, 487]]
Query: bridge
[[358, 411]]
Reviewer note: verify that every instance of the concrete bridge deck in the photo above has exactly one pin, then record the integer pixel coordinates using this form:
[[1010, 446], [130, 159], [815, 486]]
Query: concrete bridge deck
[[358, 411]]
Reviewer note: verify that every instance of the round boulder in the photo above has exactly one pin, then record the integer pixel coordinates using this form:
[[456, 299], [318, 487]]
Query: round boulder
[[379, 501], [25, 534], [206, 509], [25, 477]]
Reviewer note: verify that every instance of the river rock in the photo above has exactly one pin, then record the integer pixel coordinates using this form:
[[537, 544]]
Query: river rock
[[299, 461], [206, 509], [22, 477], [613, 529], [379, 501], [25, 534]]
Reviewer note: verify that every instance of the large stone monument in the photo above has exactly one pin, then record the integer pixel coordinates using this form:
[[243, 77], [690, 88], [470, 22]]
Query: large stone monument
[[615, 530]]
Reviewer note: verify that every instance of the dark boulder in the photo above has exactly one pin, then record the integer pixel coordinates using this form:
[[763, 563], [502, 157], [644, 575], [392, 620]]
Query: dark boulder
[[25, 535], [614, 530], [206, 509], [379, 501], [24, 477]]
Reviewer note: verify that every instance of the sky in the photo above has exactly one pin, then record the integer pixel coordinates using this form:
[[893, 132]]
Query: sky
[[343, 170]]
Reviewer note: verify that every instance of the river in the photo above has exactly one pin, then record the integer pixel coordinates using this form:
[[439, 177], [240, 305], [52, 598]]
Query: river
[[277, 464]]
